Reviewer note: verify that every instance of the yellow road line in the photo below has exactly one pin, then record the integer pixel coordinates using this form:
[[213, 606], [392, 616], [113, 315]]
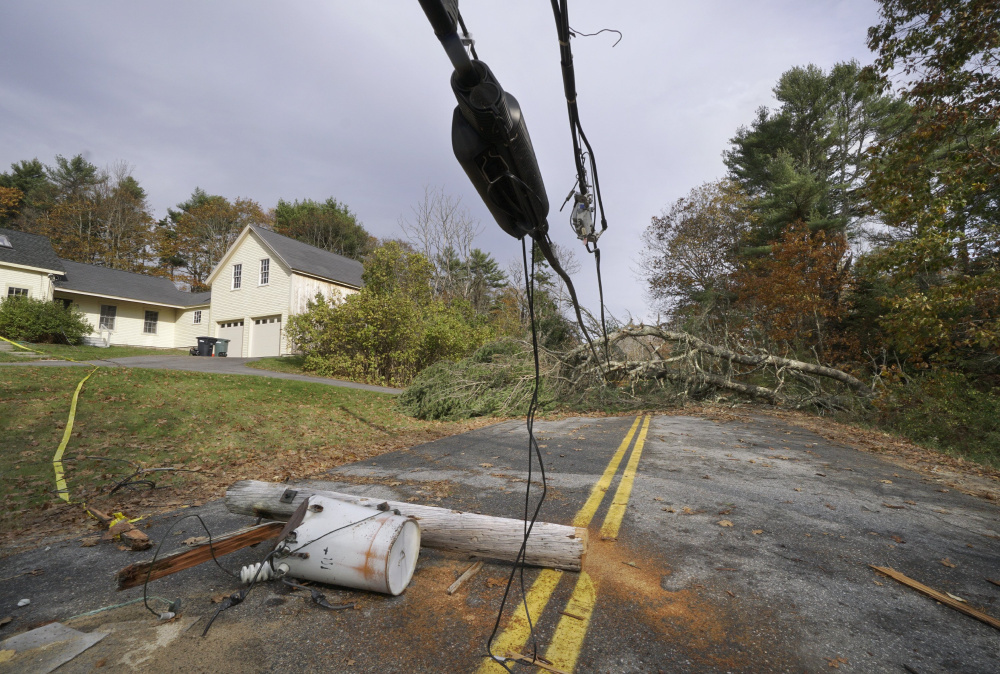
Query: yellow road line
[[613, 520], [586, 513], [517, 632], [61, 487], [564, 648]]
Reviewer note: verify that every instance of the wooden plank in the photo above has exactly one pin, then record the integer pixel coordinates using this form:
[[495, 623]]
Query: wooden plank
[[554, 546], [134, 575], [939, 596], [534, 662], [469, 573]]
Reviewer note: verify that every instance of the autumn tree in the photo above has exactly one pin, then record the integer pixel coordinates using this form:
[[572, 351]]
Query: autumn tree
[[329, 225], [198, 233], [937, 182], [690, 250]]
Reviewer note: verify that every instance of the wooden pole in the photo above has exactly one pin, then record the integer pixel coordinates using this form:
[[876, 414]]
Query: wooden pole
[[550, 545], [134, 575]]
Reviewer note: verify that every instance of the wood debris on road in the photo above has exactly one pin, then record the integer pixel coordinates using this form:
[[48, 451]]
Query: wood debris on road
[[939, 596]]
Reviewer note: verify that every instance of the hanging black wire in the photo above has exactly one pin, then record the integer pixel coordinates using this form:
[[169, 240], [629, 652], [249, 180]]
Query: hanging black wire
[[561, 13], [533, 452]]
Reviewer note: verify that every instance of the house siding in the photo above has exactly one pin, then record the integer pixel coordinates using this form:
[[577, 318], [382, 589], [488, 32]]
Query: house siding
[[251, 300], [129, 320], [187, 332], [37, 282], [305, 288]]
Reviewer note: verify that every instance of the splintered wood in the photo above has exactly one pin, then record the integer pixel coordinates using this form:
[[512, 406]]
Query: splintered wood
[[939, 596], [134, 575]]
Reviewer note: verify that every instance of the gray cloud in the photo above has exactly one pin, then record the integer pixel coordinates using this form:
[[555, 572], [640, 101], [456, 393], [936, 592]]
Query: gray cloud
[[332, 98]]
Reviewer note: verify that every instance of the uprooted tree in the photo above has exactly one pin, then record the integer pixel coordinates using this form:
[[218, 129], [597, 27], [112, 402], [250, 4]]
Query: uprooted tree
[[642, 355]]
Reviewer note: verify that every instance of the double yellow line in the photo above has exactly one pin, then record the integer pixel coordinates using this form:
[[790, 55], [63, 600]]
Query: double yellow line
[[564, 648]]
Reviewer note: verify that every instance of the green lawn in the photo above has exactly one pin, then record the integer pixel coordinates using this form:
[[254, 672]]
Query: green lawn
[[228, 427], [61, 351], [292, 364]]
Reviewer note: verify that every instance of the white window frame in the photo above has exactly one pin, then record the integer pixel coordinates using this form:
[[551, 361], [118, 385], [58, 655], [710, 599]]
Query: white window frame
[[197, 317], [149, 326], [265, 271], [18, 292], [106, 319], [237, 276]]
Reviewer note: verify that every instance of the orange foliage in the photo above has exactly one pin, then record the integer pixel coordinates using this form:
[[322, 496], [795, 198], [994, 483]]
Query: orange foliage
[[795, 294]]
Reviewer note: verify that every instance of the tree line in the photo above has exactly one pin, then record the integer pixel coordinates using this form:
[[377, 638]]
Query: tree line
[[102, 216], [857, 223]]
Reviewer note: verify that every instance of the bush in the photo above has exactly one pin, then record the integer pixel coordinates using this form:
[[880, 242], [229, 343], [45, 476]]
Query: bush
[[497, 380], [945, 410], [41, 321], [389, 330]]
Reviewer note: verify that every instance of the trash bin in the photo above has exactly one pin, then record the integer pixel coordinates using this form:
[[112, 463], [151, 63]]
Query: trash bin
[[221, 347], [205, 345]]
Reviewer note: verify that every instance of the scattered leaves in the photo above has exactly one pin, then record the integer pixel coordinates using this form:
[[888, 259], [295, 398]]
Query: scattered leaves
[[758, 531], [894, 507], [194, 540], [947, 562], [886, 481], [724, 523]]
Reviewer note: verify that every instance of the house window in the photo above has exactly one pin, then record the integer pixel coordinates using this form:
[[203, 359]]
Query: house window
[[17, 292], [237, 276], [265, 271], [197, 316], [149, 324], [108, 313]]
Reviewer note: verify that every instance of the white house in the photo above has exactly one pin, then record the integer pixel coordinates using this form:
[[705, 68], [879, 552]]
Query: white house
[[262, 280]]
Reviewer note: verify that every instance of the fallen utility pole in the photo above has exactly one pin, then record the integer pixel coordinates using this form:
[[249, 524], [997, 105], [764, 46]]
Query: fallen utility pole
[[550, 545], [134, 575]]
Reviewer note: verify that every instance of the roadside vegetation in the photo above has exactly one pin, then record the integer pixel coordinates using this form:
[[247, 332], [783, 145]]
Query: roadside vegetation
[[222, 427]]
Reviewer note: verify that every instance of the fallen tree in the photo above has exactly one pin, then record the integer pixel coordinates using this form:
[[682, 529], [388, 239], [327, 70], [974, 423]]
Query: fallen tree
[[695, 365]]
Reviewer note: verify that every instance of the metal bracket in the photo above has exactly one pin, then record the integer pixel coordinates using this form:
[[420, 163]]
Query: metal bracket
[[288, 496]]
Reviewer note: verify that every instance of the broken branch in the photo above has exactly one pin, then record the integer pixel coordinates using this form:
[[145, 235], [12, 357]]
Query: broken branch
[[134, 575]]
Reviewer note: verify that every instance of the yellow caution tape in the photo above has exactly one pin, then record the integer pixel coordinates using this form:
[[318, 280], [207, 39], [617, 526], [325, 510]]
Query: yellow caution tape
[[61, 488], [57, 465]]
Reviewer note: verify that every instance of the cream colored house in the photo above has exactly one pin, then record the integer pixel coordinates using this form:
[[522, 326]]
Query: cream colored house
[[262, 280]]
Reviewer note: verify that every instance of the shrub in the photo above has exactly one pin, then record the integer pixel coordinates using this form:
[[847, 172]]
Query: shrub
[[947, 411], [41, 321], [497, 380]]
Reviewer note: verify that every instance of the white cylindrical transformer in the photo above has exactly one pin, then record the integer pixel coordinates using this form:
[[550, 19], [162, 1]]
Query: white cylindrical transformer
[[368, 553]]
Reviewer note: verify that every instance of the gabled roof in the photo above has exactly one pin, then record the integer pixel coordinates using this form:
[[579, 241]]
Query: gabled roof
[[302, 258], [29, 250], [126, 285]]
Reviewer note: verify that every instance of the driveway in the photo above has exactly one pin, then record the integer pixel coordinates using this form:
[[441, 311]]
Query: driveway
[[736, 545], [202, 364]]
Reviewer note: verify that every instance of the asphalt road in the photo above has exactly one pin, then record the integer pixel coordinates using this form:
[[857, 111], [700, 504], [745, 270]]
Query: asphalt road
[[743, 546]]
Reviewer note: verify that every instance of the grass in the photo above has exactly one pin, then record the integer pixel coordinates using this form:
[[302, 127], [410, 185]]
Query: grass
[[63, 351], [289, 364], [224, 427]]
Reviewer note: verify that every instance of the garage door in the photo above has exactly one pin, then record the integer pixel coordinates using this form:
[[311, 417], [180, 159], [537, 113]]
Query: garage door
[[265, 339], [233, 331]]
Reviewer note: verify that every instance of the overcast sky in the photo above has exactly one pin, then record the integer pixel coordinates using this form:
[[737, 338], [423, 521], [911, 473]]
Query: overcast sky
[[313, 99]]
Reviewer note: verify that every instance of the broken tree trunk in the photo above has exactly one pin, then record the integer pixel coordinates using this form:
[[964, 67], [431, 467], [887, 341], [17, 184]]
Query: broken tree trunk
[[550, 545], [696, 344], [134, 575]]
